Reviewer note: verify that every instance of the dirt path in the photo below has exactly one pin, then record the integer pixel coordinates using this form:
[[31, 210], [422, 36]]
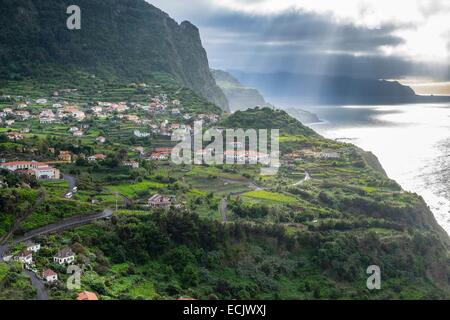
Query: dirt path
[[223, 209]]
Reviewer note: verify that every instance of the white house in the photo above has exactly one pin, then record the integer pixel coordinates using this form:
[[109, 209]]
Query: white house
[[139, 134], [47, 120], [241, 156], [46, 113], [32, 246], [25, 257], [64, 256], [329, 155], [159, 201], [41, 101], [97, 109], [39, 169], [49, 276], [75, 113], [95, 157], [23, 114], [100, 139], [131, 164]]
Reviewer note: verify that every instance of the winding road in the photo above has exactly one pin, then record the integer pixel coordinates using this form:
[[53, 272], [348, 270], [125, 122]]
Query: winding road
[[64, 224], [58, 226], [307, 178], [71, 183], [38, 284]]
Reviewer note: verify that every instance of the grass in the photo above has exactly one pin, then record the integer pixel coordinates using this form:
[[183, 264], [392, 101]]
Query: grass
[[144, 290], [131, 190], [131, 212], [3, 271], [270, 196]]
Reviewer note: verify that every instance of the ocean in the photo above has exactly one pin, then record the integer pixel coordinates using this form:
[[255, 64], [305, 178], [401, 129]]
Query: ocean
[[412, 143]]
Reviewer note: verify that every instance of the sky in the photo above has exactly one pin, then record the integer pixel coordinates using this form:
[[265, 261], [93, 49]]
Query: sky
[[406, 40]]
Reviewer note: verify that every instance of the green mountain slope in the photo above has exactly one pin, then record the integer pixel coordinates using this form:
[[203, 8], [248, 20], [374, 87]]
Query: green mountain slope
[[267, 118], [127, 38], [309, 232]]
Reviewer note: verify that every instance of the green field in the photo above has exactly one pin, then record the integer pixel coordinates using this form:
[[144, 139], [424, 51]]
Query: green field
[[270, 196]]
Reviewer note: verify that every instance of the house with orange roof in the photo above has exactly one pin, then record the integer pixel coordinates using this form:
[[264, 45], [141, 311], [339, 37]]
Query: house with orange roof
[[98, 156], [86, 295], [49, 275]]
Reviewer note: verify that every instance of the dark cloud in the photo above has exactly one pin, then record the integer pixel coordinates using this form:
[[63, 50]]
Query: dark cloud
[[303, 28], [298, 41]]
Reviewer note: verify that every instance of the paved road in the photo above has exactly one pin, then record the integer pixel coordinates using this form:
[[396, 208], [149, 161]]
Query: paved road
[[38, 284], [64, 224], [71, 182], [3, 249], [307, 178], [59, 226]]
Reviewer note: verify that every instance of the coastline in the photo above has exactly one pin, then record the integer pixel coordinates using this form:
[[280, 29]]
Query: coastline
[[411, 164]]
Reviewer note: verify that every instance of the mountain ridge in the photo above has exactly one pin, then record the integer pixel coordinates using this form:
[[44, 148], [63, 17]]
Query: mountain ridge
[[140, 39], [241, 98], [323, 89]]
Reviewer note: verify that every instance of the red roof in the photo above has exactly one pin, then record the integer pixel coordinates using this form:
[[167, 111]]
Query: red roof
[[16, 163], [86, 295], [163, 150], [100, 156], [49, 273]]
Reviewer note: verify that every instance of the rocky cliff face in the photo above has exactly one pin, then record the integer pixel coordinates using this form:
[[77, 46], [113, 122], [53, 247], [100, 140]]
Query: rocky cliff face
[[242, 98], [118, 38], [239, 97]]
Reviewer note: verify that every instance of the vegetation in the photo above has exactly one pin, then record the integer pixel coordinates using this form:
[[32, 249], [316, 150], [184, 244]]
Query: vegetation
[[143, 38]]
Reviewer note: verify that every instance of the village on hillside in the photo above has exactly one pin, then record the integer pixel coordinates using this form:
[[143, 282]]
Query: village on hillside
[[102, 159]]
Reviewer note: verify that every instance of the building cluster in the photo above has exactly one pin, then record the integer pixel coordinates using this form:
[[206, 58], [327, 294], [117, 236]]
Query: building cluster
[[304, 154], [40, 170], [51, 113], [64, 256]]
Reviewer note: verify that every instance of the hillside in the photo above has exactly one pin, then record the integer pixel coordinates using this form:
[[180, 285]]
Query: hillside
[[127, 39], [267, 118], [219, 231], [279, 237]]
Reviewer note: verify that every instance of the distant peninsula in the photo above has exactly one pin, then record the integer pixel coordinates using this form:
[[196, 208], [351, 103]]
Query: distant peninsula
[[242, 98], [307, 89]]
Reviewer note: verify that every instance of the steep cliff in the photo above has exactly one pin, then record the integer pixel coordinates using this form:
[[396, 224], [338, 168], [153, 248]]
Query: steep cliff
[[126, 39], [239, 97]]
